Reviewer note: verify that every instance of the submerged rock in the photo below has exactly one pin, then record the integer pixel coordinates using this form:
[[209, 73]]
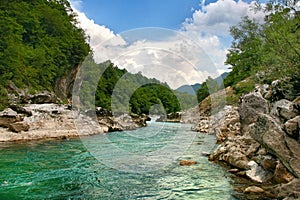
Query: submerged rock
[[187, 162]]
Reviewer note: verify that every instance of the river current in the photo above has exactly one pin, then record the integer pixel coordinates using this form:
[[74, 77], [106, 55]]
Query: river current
[[73, 169]]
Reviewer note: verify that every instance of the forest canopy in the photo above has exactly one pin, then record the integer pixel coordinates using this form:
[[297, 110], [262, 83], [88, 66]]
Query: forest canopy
[[39, 43]]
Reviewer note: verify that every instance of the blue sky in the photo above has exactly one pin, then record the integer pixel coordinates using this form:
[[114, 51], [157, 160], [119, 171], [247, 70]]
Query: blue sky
[[205, 23], [120, 15]]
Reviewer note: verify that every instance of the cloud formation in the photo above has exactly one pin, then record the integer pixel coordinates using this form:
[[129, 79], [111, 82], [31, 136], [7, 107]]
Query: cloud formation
[[186, 56], [216, 18]]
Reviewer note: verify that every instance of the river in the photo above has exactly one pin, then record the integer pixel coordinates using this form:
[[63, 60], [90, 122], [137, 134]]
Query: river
[[93, 167]]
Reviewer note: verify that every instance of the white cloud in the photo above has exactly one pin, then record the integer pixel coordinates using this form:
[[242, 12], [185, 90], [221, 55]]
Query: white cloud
[[76, 4], [216, 18], [187, 56], [97, 33]]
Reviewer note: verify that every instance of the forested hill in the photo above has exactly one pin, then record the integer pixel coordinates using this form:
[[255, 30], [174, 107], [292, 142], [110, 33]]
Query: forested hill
[[121, 91], [39, 43]]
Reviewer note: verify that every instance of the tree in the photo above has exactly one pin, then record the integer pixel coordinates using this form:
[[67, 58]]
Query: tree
[[272, 47], [245, 53], [208, 87]]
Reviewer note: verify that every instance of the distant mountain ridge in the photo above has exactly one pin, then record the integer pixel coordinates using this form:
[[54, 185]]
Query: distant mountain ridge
[[189, 89], [192, 89]]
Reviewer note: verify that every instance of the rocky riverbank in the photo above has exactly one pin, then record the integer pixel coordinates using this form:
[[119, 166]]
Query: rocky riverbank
[[50, 120], [43, 115], [259, 140]]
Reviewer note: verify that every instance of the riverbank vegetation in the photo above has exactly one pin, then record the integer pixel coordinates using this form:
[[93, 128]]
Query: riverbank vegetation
[[263, 52]]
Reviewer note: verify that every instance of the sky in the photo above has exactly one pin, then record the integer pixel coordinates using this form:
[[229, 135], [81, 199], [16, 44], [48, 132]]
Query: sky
[[176, 41]]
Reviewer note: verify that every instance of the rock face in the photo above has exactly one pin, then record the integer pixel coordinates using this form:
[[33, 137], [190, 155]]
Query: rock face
[[250, 105], [9, 116], [44, 97], [284, 109], [292, 128], [224, 124], [265, 147], [64, 85], [290, 191], [281, 174], [18, 96], [19, 126], [270, 134]]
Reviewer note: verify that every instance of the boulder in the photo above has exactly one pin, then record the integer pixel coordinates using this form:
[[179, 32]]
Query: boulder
[[292, 127], [281, 174], [268, 163], [284, 109], [232, 152], [44, 97], [253, 189], [290, 190], [19, 126], [139, 121], [174, 116], [202, 126], [234, 170], [268, 133], [296, 102], [286, 88], [250, 105], [103, 112], [21, 110], [256, 173], [187, 162], [9, 116]]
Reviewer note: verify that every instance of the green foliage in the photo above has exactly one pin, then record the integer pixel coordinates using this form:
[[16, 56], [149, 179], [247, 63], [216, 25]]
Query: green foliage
[[3, 99], [282, 42], [272, 47], [244, 86], [105, 85], [39, 42], [210, 86], [145, 97], [245, 53]]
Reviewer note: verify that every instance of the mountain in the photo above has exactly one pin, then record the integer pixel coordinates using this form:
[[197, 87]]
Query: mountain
[[189, 89], [221, 78], [192, 89]]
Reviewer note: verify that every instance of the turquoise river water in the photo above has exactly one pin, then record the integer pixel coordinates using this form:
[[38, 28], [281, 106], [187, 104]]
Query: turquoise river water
[[72, 169]]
